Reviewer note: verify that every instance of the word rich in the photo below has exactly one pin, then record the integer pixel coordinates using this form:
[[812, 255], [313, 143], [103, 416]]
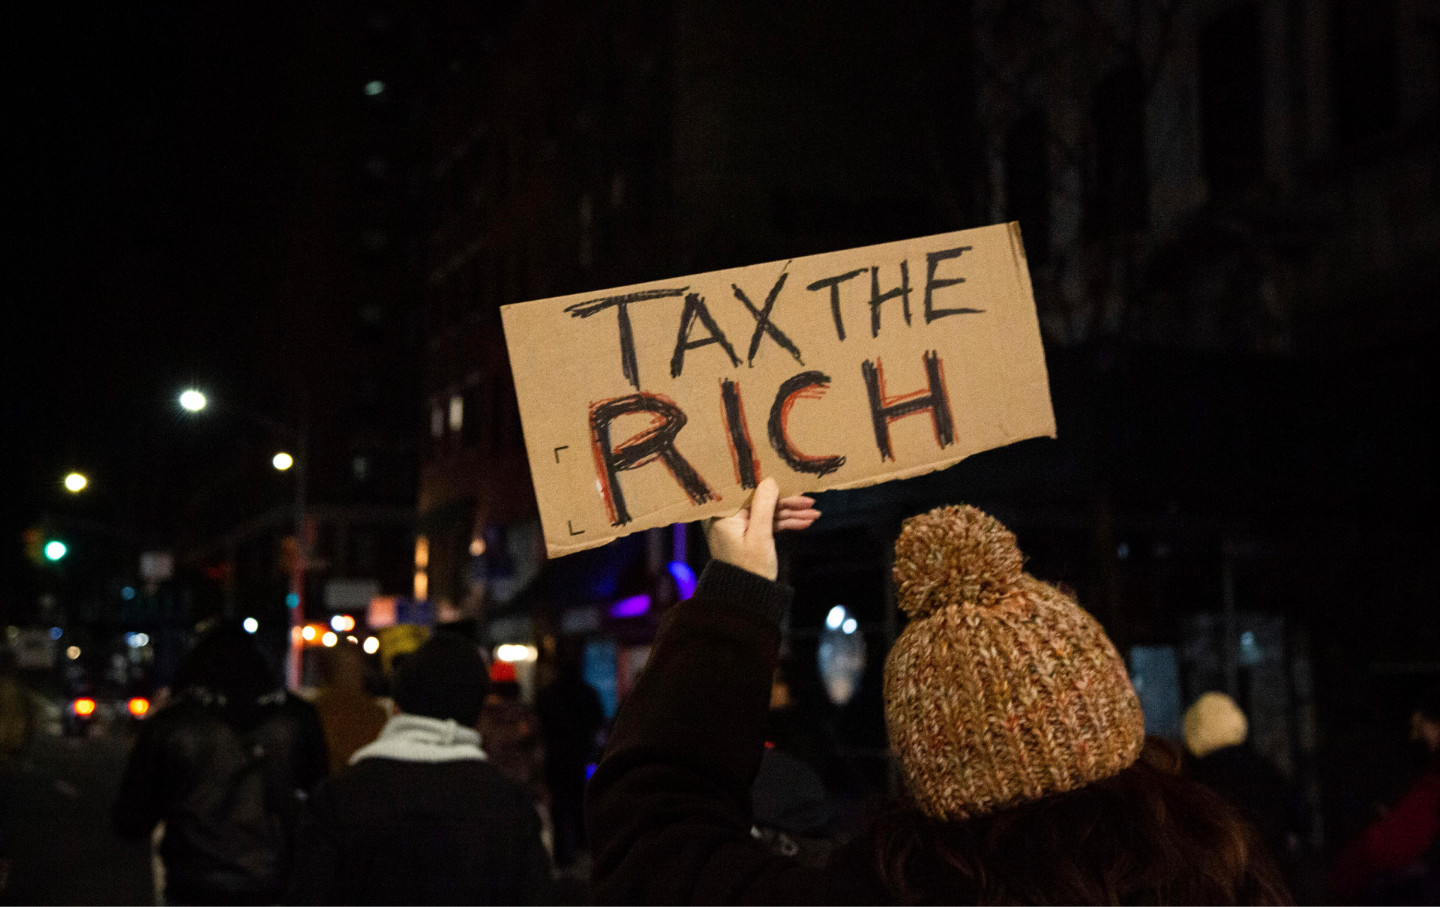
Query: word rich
[[657, 442]]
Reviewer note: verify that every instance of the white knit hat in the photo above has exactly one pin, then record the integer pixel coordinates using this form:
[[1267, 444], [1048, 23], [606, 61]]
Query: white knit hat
[[1213, 723]]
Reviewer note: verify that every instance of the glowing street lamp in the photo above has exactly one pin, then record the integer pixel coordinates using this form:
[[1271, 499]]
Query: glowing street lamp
[[191, 400], [282, 461], [75, 483], [55, 550]]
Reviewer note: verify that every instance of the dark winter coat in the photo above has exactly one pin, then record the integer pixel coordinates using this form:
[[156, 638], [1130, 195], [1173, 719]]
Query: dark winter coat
[[229, 796], [668, 810], [406, 830]]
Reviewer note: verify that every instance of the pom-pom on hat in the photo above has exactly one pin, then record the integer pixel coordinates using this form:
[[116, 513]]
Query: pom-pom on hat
[[1001, 689]]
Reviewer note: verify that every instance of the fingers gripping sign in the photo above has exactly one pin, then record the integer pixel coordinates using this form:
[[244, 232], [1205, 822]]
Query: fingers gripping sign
[[747, 539]]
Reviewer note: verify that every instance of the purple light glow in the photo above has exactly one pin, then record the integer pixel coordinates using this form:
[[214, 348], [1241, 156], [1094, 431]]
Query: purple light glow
[[634, 606], [684, 576]]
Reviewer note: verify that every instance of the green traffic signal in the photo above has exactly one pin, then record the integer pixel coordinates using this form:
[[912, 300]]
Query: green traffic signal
[[55, 549]]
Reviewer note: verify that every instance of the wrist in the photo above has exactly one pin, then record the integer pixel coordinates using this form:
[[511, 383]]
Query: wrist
[[727, 583]]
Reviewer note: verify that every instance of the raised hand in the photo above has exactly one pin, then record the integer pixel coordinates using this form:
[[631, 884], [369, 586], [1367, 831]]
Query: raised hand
[[747, 539]]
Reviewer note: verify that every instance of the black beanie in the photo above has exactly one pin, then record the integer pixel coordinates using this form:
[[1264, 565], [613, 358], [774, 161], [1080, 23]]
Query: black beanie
[[444, 678]]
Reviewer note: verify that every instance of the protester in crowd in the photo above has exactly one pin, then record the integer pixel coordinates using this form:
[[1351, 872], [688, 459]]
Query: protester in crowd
[[420, 816], [510, 734], [570, 716], [17, 726], [226, 766], [1216, 736], [349, 712], [1396, 860], [1019, 737]]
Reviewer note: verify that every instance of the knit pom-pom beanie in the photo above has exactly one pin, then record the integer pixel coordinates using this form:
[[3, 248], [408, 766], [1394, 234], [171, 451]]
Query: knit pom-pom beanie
[[1001, 689]]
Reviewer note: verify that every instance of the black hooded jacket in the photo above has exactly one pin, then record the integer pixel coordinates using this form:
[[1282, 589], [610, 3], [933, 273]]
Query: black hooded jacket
[[228, 791]]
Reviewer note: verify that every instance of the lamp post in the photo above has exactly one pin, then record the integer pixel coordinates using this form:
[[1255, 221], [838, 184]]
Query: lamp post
[[193, 401]]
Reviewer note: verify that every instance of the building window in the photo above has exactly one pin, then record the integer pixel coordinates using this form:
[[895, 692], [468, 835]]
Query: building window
[[1118, 183], [1027, 183], [1231, 99], [1362, 68]]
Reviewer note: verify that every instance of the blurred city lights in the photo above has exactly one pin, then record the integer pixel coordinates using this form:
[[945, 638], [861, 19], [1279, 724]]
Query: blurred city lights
[[329, 639], [516, 652], [342, 623], [849, 626], [684, 576], [308, 633], [55, 549], [251, 625], [282, 461], [73, 653], [372, 645], [374, 88], [352, 639], [56, 632], [128, 593], [84, 707], [191, 400], [75, 482], [477, 546], [138, 706], [634, 606], [137, 640], [835, 618]]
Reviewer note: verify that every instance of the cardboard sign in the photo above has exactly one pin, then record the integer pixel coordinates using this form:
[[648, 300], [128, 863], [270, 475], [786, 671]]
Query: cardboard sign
[[668, 401]]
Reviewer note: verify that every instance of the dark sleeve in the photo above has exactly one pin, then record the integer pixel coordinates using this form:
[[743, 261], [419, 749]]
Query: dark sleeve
[[668, 810], [138, 807], [317, 856]]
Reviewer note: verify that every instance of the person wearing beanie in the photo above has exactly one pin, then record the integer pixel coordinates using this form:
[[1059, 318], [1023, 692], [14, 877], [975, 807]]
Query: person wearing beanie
[[1028, 776], [1216, 733], [420, 816]]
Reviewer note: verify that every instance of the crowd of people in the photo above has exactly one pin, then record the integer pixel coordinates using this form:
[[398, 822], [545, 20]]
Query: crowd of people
[[1027, 773]]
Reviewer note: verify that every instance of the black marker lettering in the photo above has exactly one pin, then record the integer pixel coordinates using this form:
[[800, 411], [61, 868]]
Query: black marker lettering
[[877, 300], [628, 365], [932, 261], [654, 443], [742, 451], [695, 308], [806, 385], [763, 324], [885, 410], [834, 284]]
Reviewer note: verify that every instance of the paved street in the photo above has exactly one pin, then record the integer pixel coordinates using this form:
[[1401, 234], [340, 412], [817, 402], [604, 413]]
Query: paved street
[[62, 849]]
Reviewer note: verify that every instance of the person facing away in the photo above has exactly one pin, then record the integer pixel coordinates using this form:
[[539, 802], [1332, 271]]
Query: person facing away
[[350, 715], [226, 765], [1020, 740], [571, 715], [1396, 860], [1216, 735], [421, 816]]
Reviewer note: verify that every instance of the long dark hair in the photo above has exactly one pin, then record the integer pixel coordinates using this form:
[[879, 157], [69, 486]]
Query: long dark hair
[[1148, 835]]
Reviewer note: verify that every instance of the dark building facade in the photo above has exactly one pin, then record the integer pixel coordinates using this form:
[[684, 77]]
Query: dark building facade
[[1230, 214]]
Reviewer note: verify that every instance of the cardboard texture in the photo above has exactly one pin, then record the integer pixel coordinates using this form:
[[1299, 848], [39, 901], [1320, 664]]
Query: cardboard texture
[[667, 401]]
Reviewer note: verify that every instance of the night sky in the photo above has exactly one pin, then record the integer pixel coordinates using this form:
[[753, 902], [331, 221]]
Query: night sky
[[147, 189]]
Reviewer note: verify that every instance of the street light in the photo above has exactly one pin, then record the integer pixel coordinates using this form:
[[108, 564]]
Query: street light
[[55, 550], [193, 401], [75, 483]]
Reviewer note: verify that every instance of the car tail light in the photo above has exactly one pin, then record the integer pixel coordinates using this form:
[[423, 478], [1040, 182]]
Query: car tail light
[[139, 706], [84, 706]]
